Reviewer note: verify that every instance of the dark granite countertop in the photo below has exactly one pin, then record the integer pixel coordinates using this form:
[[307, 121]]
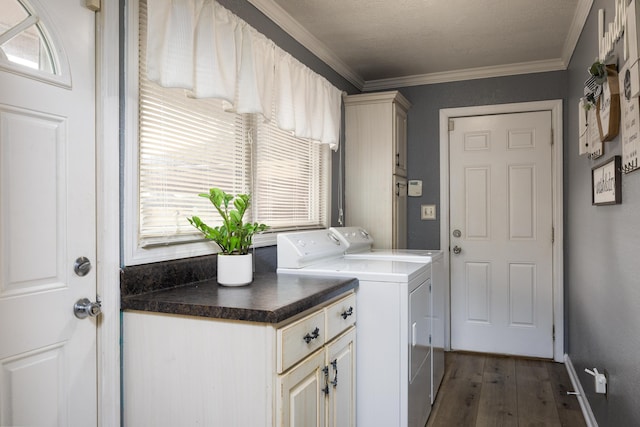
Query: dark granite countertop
[[271, 298]]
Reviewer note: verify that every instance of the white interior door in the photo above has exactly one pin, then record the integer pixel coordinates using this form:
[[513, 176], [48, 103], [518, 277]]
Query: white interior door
[[501, 234], [47, 213]]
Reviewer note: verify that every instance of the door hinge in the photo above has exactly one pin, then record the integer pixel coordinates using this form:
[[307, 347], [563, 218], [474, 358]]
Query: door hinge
[[551, 136], [93, 5], [553, 234], [429, 338], [553, 332], [451, 125]]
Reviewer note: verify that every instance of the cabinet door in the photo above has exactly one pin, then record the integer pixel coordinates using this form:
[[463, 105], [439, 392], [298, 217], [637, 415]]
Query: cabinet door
[[400, 140], [301, 398], [399, 213], [342, 381]]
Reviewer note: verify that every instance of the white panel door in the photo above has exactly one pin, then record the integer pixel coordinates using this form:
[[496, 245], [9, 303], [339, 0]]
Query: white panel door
[[47, 217], [501, 234]]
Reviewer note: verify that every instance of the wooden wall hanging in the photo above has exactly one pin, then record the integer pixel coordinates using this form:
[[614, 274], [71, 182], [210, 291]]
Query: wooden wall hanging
[[608, 106]]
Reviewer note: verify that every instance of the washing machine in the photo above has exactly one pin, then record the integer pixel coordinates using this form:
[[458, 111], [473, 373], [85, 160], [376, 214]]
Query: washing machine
[[393, 373], [358, 244]]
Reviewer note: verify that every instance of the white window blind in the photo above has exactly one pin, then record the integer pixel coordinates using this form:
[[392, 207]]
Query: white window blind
[[187, 146], [291, 179]]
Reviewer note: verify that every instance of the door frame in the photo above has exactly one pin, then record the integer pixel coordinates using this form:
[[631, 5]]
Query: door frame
[[108, 211], [557, 167]]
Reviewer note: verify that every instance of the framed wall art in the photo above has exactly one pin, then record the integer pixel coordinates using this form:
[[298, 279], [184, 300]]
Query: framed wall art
[[606, 183]]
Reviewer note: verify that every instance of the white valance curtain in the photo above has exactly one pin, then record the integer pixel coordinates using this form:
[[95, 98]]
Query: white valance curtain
[[202, 47]]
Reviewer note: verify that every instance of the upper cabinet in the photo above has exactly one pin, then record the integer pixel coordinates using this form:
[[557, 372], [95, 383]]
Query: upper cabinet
[[400, 139], [376, 166], [377, 122]]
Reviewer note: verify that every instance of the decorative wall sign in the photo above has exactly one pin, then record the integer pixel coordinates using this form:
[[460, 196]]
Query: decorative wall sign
[[608, 106], [609, 34], [630, 107], [596, 147], [606, 183]]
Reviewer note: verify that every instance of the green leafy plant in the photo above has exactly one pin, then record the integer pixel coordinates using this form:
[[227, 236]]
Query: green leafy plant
[[234, 236], [598, 70]]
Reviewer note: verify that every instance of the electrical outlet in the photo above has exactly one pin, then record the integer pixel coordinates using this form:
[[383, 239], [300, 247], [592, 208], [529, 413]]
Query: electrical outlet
[[428, 212]]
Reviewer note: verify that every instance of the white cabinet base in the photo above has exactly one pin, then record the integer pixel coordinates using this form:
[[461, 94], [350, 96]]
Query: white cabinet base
[[197, 371]]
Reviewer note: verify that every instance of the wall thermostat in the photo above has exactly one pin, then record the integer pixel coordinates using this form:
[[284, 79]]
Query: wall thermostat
[[415, 188]]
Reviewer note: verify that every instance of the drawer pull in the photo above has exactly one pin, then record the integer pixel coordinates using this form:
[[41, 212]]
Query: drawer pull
[[347, 313], [312, 336], [334, 364]]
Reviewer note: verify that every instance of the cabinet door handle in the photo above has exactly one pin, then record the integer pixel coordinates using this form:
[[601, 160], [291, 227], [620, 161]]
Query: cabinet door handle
[[334, 364], [312, 336], [347, 313], [325, 389]]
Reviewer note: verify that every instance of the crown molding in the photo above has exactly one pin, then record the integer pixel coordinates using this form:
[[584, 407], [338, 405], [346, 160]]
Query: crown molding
[[467, 74], [292, 27], [579, 20]]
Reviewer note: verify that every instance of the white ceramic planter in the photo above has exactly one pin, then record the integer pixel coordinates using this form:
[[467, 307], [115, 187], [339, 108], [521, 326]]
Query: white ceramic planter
[[235, 270]]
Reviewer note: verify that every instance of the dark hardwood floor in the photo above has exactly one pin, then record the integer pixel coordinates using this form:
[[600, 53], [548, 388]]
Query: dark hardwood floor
[[487, 390]]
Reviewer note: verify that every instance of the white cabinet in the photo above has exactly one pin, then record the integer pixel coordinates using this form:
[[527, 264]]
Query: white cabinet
[[185, 370], [320, 391], [376, 165]]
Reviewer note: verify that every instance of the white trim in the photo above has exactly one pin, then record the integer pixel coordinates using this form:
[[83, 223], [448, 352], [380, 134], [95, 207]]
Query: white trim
[[555, 106], [587, 413], [468, 74], [108, 212], [577, 24]]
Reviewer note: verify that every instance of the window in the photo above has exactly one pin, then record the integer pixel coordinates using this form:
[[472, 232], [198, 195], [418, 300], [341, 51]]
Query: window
[[290, 180], [26, 47], [184, 146]]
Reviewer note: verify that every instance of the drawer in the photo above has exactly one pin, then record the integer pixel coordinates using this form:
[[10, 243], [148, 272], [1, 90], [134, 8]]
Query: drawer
[[299, 339], [340, 316]]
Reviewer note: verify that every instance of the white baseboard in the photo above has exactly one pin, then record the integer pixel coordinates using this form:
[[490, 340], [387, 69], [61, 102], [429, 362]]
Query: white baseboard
[[589, 418]]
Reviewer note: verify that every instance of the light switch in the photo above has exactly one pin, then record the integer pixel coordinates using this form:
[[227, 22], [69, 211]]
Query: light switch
[[428, 212]]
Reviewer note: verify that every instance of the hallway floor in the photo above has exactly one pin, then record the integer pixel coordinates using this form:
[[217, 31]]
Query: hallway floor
[[488, 390]]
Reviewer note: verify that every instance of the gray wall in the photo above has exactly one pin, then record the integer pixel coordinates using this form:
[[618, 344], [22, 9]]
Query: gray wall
[[424, 132], [602, 261]]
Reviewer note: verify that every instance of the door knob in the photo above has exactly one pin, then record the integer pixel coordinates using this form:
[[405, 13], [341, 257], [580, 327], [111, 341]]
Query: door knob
[[457, 250], [84, 308]]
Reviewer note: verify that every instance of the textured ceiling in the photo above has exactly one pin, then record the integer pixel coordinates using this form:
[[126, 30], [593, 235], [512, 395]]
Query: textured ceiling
[[394, 39]]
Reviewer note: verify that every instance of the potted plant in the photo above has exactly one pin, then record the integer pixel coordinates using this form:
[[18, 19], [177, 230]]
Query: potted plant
[[234, 237]]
